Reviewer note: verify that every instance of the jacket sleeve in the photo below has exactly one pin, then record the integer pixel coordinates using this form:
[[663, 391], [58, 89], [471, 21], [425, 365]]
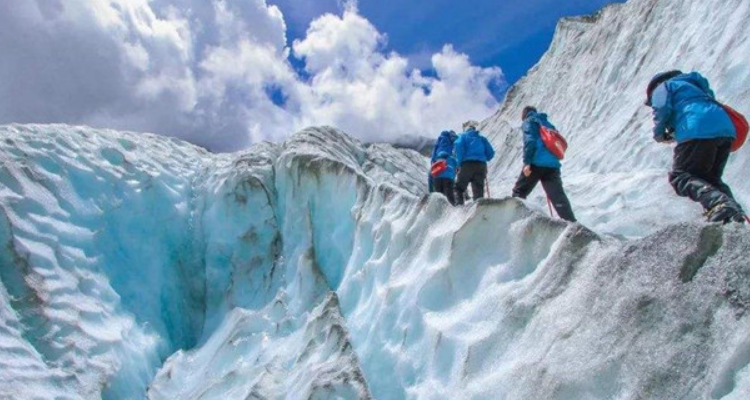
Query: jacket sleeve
[[489, 151], [529, 141], [662, 105], [459, 150]]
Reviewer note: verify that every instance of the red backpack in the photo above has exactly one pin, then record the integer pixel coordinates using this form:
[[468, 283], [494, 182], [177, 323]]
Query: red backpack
[[438, 167], [554, 141], [740, 125]]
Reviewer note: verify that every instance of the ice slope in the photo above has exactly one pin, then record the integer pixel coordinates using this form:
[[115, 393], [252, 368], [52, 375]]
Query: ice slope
[[141, 267], [592, 83]]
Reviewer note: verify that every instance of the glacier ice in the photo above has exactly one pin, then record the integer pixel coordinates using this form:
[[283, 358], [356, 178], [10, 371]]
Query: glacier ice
[[135, 266], [141, 267], [592, 82]]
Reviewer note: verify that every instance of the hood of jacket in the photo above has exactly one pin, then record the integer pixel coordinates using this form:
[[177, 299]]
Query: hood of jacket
[[538, 117], [472, 132]]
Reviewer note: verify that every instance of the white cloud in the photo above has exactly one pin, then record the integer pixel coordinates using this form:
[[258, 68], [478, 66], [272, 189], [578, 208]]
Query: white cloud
[[347, 44], [209, 72]]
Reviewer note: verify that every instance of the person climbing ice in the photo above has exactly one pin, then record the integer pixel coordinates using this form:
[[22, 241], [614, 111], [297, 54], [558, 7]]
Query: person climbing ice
[[473, 151], [541, 164], [685, 111], [444, 177], [444, 143]]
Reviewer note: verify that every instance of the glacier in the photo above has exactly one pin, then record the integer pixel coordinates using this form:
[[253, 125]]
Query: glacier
[[592, 82], [135, 266]]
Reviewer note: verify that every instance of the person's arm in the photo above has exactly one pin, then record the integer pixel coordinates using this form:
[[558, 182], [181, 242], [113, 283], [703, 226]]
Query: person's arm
[[459, 150], [489, 151], [434, 151], [452, 163], [530, 128], [662, 107]]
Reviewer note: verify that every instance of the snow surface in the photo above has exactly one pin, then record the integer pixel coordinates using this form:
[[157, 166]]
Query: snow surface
[[135, 266]]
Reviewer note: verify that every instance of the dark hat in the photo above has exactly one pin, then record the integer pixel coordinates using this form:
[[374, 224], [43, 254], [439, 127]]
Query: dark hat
[[527, 110], [657, 80]]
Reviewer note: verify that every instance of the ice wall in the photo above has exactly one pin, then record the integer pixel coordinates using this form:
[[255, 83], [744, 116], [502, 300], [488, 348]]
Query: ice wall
[[592, 82], [96, 266], [307, 270], [120, 250]]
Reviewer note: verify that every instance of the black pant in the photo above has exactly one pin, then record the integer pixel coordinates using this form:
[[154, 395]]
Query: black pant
[[474, 172], [552, 184], [445, 186], [697, 171]]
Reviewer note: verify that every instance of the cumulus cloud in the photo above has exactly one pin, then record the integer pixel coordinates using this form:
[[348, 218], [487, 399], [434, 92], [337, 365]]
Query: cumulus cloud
[[218, 73]]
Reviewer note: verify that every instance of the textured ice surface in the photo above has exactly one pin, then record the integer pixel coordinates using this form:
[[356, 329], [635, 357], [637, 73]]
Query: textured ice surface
[[120, 250], [136, 266], [592, 81], [97, 258], [141, 267]]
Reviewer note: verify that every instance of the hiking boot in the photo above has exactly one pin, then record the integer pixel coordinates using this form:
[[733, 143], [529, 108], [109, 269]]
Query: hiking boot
[[725, 213]]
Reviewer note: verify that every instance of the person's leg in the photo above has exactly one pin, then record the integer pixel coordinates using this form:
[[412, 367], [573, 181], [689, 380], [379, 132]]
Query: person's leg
[[477, 181], [723, 149], [462, 183], [524, 185], [450, 191], [444, 186], [552, 184], [438, 184], [693, 162]]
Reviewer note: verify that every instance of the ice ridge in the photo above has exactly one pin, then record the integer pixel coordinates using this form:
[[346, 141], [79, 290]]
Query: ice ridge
[[142, 267]]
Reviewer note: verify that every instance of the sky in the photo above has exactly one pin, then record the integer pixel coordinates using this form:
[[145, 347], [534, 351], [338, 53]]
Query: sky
[[228, 73]]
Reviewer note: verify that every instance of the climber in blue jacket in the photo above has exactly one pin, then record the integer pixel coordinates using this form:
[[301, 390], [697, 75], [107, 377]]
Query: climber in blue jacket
[[444, 143], [444, 182], [539, 164], [473, 151], [685, 110]]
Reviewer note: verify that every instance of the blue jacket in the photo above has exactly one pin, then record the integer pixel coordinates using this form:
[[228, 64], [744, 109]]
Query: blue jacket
[[686, 105], [471, 146], [444, 143], [450, 172], [534, 150]]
